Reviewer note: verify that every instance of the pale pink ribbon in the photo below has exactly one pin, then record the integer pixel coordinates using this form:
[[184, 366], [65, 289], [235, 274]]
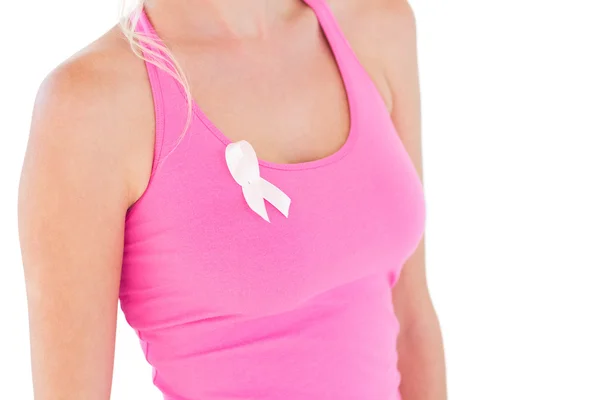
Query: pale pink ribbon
[[243, 164]]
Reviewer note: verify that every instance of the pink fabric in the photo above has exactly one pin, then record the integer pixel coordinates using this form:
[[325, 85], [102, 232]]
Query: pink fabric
[[229, 306]]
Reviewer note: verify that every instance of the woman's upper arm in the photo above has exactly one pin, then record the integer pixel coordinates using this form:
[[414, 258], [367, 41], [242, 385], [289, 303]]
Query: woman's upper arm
[[73, 197]]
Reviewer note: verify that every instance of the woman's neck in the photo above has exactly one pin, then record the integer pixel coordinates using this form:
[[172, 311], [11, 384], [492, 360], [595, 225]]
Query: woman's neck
[[220, 18]]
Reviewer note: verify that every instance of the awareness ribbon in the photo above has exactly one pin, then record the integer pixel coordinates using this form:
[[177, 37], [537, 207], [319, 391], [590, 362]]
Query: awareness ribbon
[[243, 164]]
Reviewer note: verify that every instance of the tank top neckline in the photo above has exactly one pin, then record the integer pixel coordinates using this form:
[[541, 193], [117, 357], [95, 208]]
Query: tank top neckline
[[338, 49]]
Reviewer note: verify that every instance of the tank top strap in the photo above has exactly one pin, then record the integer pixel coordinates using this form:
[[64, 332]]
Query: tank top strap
[[167, 91], [340, 45]]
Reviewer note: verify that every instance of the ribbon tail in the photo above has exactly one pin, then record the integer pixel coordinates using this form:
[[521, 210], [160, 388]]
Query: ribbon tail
[[255, 201], [275, 196]]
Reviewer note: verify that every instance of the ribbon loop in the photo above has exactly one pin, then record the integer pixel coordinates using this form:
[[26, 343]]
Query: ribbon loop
[[243, 165]]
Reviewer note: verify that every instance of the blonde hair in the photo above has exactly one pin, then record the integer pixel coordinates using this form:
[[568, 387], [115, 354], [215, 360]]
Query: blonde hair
[[153, 51]]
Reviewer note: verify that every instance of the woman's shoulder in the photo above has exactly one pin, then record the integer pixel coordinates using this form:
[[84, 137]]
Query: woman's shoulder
[[381, 32], [104, 75], [98, 102], [379, 25]]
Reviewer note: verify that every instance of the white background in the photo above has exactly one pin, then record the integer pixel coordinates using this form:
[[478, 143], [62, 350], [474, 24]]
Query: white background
[[511, 135]]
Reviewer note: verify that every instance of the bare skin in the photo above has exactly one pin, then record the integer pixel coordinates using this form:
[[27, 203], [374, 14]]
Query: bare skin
[[90, 152]]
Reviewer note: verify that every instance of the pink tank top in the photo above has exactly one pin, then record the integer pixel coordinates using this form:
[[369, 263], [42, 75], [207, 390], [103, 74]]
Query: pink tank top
[[230, 306]]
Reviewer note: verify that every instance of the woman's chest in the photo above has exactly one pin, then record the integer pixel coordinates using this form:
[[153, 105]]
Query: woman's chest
[[196, 241]]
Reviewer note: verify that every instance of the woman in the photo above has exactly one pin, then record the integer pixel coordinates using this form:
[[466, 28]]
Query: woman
[[246, 178]]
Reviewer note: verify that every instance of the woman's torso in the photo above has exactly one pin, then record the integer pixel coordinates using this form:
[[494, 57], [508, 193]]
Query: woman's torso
[[230, 306]]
